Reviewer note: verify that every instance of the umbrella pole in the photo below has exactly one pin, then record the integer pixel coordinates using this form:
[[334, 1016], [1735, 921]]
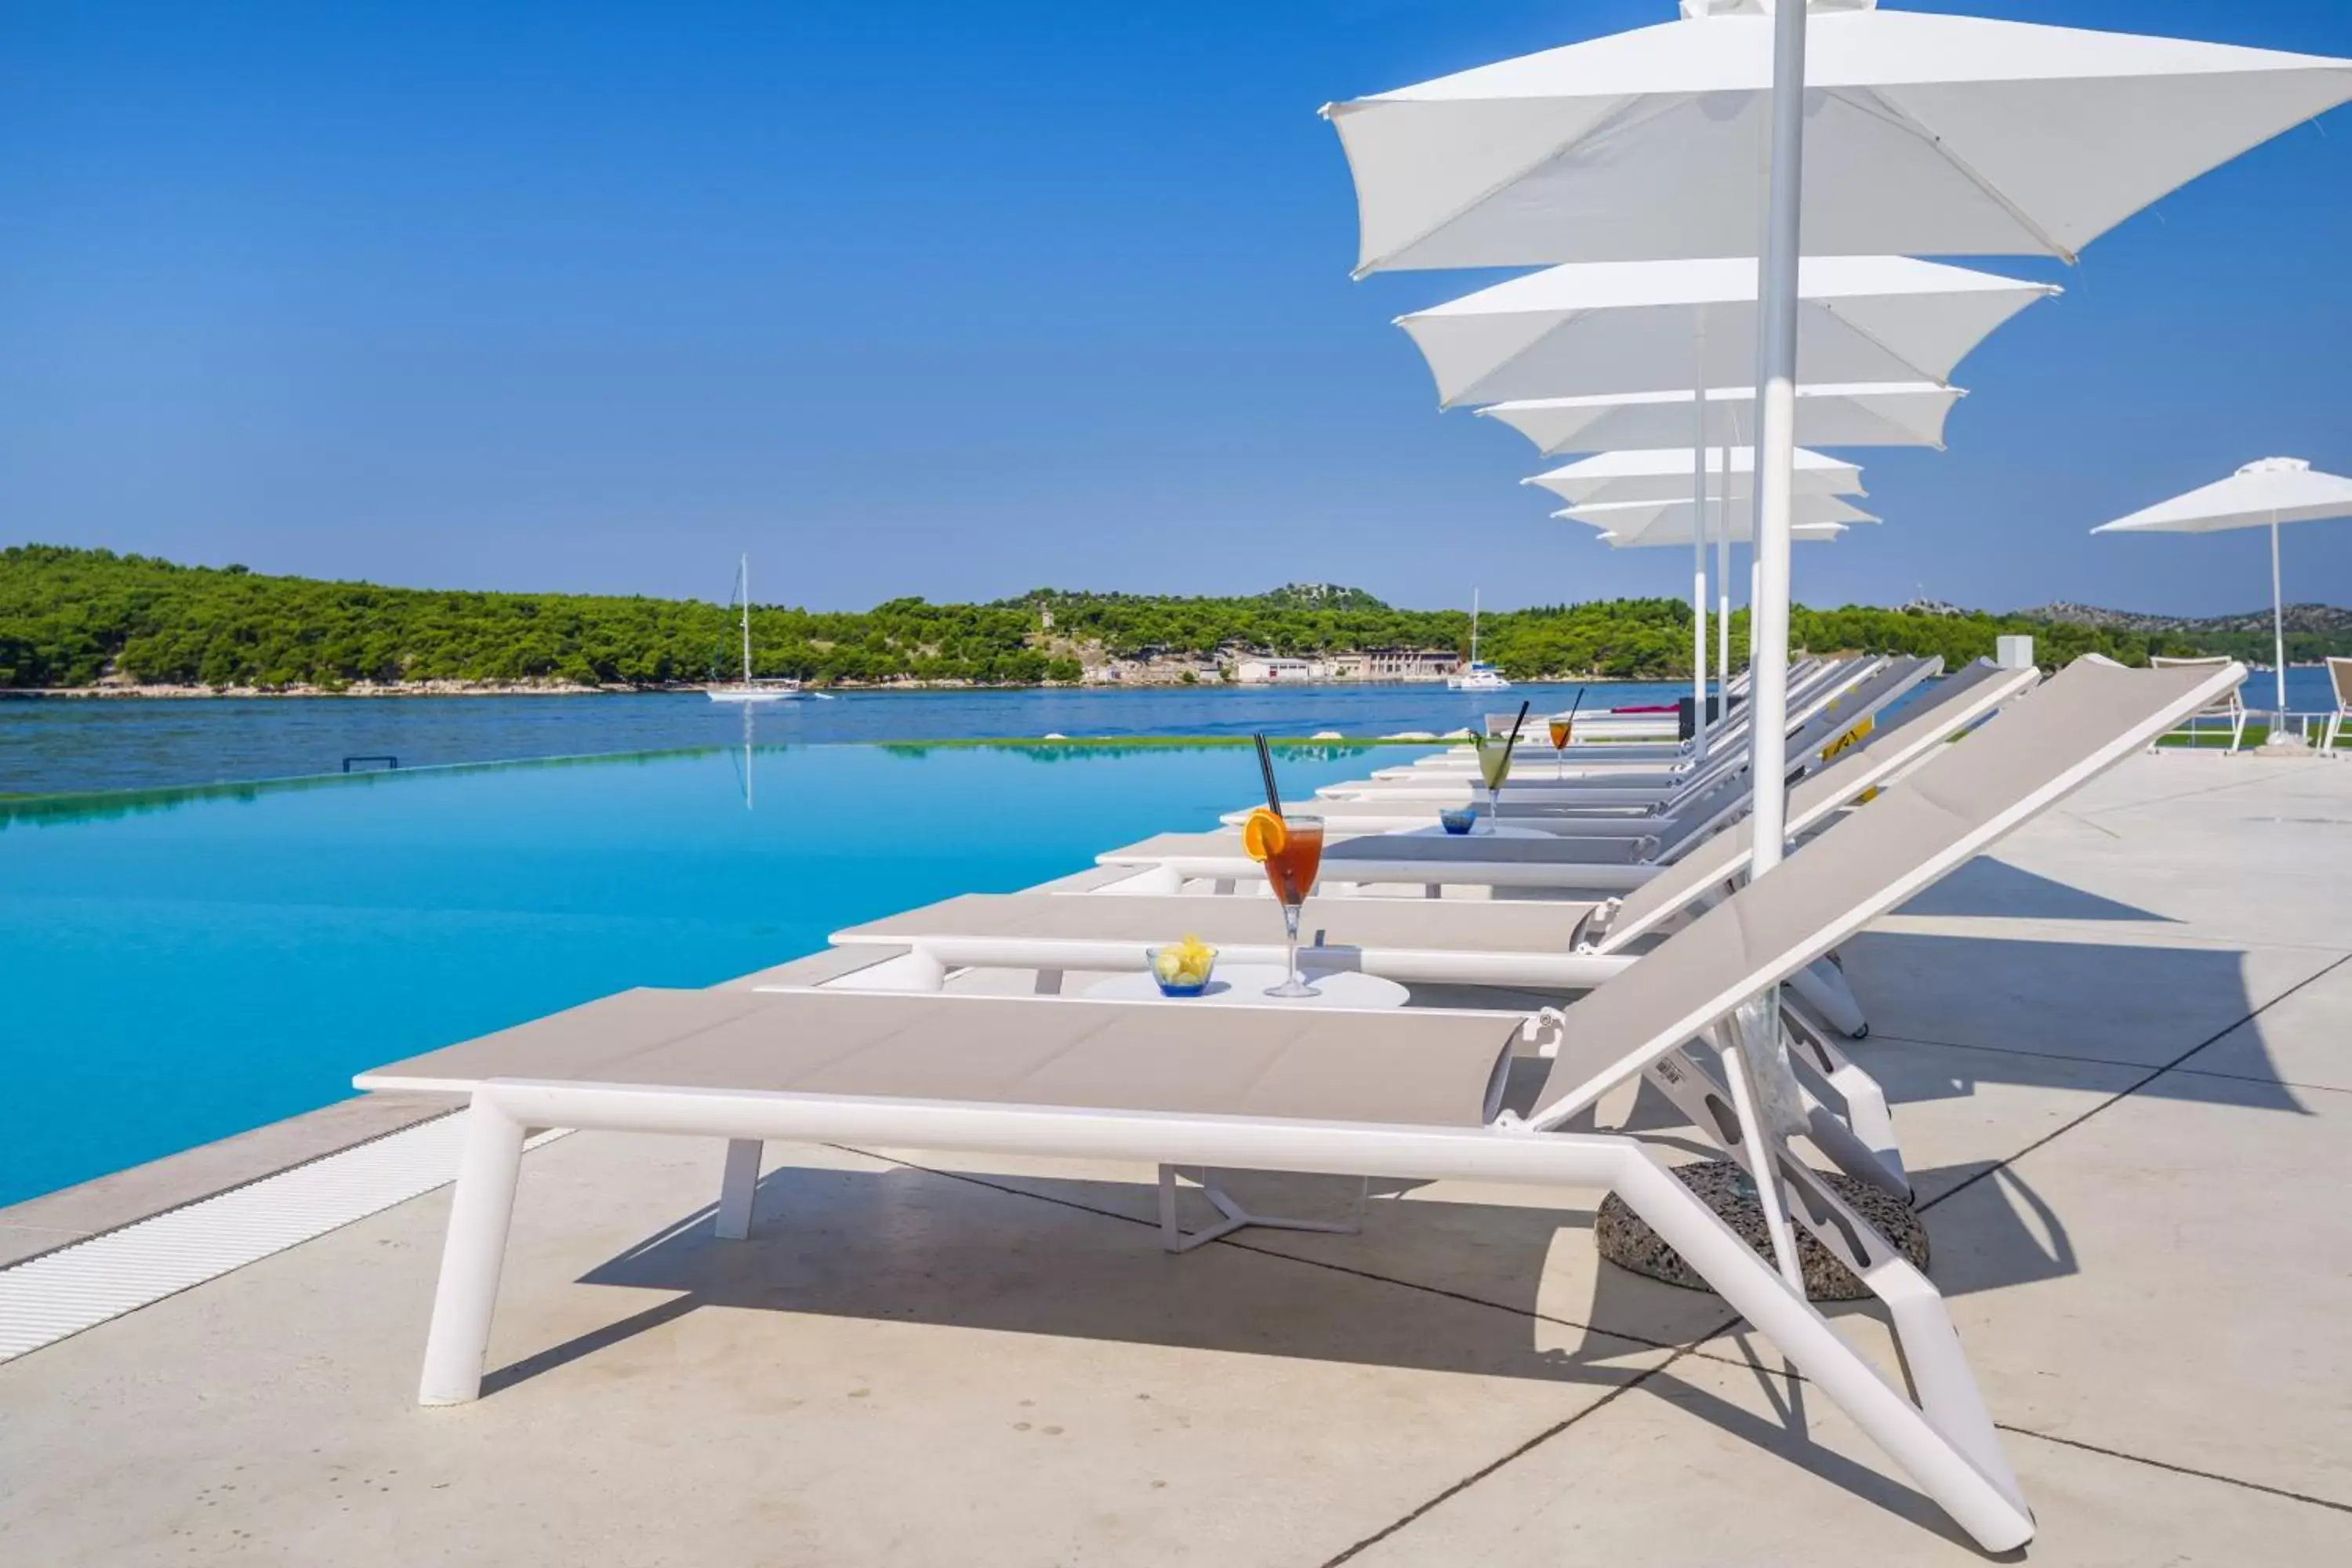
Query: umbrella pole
[[1698, 544], [1723, 578], [2278, 624], [1776, 444]]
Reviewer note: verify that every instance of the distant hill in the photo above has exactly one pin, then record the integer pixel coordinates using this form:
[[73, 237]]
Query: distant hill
[[2320, 620], [90, 619]]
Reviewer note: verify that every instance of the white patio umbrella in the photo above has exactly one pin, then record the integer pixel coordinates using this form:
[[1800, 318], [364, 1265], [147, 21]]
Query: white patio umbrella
[[2260, 495], [1657, 538], [1854, 414], [1652, 474], [1861, 414], [1619, 327], [1681, 517], [1674, 511], [1930, 135], [1927, 135]]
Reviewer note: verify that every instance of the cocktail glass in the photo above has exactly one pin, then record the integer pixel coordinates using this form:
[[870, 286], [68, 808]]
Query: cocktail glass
[[1561, 729], [1292, 871], [1494, 766]]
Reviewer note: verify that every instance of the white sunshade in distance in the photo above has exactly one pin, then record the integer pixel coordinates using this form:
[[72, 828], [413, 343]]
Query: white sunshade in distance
[[1658, 473], [1658, 538], [2275, 489], [1658, 326], [1928, 135], [1857, 413], [1641, 516], [2262, 494]]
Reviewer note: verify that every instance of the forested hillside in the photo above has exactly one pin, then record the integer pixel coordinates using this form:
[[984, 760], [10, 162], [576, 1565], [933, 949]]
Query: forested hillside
[[76, 617]]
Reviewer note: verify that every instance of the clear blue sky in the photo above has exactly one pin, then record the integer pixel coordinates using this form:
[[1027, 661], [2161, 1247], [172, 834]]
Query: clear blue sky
[[955, 300]]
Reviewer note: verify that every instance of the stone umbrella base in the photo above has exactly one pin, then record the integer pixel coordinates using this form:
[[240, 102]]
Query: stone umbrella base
[[1626, 1240]]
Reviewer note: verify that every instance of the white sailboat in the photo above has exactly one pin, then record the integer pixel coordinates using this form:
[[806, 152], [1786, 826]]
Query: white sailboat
[[749, 689], [1476, 676]]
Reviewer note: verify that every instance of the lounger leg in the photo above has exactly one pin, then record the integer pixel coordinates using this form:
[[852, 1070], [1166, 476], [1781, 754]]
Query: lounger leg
[[471, 1254], [1946, 1442], [1763, 1173], [1234, 1217], [1868, 1124], [1823, 986], [738, 1187]]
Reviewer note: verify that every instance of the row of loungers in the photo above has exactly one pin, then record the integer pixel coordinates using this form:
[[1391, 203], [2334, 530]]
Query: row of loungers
[[1667, 975], [1811, 683]]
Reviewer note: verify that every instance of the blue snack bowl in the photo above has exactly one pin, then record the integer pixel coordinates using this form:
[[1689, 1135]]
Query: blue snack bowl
[[1151, 957], [1462, 819]]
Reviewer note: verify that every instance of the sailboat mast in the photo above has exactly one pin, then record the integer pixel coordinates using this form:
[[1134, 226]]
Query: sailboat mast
[[1473, 628], [744, 573]]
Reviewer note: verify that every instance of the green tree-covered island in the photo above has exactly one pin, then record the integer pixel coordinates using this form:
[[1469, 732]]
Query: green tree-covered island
[[91, 620]]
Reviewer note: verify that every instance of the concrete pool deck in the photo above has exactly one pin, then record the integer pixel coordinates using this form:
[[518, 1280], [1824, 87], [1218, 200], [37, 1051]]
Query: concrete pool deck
[[2121, 1058]]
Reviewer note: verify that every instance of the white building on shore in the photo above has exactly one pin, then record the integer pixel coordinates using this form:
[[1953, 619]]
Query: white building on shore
[[1267, 669]]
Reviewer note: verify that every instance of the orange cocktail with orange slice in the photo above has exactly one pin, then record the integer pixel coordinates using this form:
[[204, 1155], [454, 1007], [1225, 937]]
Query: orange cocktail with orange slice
[[1290, 848]]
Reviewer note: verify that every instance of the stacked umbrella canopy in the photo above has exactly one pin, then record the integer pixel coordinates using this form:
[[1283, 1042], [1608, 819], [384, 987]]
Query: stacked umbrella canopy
[[1610, 331], [1859, 414], [1890, 132]]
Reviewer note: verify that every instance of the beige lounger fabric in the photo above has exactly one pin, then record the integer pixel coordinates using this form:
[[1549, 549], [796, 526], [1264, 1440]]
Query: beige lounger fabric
[[2039, 748], [1725, 855], [1452, 926], [1440, 852], [1431, 850], [1416, 1069], [1684, 797]]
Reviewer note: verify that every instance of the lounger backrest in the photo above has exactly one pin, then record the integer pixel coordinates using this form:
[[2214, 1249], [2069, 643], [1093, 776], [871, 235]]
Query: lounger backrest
[[2339, 675], [1966, 698], [1856, 687], [2228, 705], [2049, 742], [1847, 708], [1712, 798]]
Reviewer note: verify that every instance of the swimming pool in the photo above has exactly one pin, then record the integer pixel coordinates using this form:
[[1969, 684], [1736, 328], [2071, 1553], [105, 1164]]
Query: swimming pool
[[183, 966]]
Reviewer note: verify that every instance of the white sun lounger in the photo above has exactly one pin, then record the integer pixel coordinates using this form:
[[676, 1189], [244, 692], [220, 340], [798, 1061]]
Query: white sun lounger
[[2339, 681], [1534, 772], [1654, 810], [2228, 710], [1706, 858], [1807, 681], [1547, 946], [1413, 1095], [1166, 862], [1541, 947], [1590, 807], [1554, 803]]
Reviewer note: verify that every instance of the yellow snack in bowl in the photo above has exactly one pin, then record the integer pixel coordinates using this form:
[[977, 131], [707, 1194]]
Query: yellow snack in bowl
[[1184, 963]]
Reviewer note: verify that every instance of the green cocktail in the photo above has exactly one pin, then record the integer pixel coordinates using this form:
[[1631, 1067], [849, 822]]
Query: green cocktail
[[1494, 767]]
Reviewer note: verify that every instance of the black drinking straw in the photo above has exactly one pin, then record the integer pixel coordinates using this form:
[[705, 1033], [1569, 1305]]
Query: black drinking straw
[[1265, 768], [1575, 705], [1514, 741]]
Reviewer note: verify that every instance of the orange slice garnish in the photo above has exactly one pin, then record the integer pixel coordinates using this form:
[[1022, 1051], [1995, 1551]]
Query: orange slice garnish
[[1263, 835]]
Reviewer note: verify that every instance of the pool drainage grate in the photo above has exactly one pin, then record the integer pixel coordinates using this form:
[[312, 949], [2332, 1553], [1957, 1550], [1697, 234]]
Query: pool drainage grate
[[58, 1294]]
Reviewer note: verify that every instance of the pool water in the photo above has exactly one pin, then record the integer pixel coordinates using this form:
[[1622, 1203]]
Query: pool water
[[184, 966]]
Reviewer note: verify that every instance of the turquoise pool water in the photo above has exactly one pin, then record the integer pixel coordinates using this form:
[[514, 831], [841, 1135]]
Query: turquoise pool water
[[184, 966]]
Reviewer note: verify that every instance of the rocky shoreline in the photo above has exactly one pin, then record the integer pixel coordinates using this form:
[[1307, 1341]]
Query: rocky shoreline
[[128, 691]]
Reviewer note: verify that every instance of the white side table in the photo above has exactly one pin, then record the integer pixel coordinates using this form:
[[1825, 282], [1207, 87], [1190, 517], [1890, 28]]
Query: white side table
[[1246, 985]]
